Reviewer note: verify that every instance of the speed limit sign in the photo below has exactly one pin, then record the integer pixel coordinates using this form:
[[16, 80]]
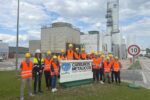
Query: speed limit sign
[[134, 50]]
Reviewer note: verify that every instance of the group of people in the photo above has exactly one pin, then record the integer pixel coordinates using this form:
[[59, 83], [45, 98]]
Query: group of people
[[102, 69]]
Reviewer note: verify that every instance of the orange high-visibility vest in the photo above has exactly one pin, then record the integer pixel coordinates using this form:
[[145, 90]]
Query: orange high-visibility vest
[[70, 54], [112, 61], [61, 57], [56, 69], [76, 56], [83, 55], [26, 70], [107, 67], [96, 62], [116, 66], [47, 64]]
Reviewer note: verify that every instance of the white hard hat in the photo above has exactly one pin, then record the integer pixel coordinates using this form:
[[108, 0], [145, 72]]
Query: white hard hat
[[37, 51]]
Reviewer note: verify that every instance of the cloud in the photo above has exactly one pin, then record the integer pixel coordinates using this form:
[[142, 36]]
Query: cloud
[[84, 14]]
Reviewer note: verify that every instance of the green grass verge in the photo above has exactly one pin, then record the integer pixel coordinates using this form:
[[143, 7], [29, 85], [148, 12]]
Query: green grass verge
[[136, 65], [10, 90]]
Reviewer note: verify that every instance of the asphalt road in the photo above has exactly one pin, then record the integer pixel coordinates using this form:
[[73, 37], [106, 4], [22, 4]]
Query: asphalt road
[[145, 64]]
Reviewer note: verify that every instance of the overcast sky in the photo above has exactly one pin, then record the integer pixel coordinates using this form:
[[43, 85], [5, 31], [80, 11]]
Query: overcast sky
[[134, 18]]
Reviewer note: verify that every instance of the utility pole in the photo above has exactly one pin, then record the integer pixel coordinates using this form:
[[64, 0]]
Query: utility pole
[[17, 37]]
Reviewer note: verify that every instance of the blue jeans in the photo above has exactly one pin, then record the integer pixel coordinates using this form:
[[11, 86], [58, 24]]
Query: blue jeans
[[54, 78]]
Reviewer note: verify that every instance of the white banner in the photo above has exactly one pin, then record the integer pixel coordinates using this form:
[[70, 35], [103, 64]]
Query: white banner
[[74, 70]]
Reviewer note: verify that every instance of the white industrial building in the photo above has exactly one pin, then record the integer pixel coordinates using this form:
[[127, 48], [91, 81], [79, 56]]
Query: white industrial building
[[33, 45], [113, 40], [92, 41], [131, 40], [4, 50], [57, 36]]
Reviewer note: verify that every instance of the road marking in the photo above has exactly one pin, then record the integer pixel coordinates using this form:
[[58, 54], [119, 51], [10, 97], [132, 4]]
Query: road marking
[[144, 78]]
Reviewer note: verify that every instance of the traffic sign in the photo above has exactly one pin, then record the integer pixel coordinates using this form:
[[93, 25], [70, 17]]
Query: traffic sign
[[134, 50]]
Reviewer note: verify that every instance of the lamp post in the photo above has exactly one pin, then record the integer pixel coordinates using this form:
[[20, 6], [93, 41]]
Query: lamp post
[[17, 37]]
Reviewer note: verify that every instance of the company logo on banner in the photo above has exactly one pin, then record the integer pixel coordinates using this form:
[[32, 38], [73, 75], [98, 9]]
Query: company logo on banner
[[65, 68]]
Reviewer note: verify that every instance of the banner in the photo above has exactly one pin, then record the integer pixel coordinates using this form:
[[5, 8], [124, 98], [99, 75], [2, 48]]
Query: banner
[[75, 70]]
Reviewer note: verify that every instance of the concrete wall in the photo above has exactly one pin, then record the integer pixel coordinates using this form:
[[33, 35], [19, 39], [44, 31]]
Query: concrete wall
[[55, 38], [4, 50], [90, 42], [33, 45]]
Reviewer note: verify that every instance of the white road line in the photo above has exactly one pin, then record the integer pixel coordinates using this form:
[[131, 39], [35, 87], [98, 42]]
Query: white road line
[[144, 78]]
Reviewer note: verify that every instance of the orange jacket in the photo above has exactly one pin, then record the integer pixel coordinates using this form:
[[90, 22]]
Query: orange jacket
[[116, 66], [47, 64], [107, 67], [70, 54], [26, 70], [54, 69], [96, 63], [77, 56], [83, 55]]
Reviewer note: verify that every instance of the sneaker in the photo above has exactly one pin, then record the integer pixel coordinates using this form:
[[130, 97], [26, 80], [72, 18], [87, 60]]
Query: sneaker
[[35, 92], [31, 95], [40, 91], [22, 98], [101, 82], [54, 90]]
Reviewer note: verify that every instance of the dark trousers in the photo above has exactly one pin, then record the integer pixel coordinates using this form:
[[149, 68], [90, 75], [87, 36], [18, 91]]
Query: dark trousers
[[101, 74], [112, 76], [47, 79], [117, 77], [95, 74], [37, 79]]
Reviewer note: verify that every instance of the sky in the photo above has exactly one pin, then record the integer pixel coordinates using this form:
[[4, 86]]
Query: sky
[[134, 18]]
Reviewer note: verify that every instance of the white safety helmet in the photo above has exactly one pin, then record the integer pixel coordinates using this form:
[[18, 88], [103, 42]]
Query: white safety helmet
[[37, 51]]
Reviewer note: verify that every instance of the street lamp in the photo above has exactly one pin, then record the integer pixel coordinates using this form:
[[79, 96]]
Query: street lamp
[[17, 38]]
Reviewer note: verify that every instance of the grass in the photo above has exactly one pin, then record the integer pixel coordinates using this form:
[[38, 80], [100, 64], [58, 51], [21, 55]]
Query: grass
[[10, 90], [136, 65]]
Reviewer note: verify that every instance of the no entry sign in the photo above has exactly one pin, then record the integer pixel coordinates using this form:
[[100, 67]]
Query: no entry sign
[[134, 50]]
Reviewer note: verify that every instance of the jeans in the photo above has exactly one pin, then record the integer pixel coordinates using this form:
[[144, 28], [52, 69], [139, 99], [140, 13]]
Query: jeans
[[29, 79], [54, 78]]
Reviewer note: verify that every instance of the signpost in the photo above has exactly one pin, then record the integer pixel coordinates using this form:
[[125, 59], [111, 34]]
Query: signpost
[[75, 72], [133, 50]]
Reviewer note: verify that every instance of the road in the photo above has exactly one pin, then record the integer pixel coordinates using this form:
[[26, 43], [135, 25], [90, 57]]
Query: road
[[145, 64]]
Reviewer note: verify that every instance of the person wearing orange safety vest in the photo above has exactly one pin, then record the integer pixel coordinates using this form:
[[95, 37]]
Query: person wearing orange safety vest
[[95, 66], [99, 55], [77, 54], [101, 69], [55, 69], [70, 53], [112, 72], [26, 75], [47, 67], [83, 54], [116, 68], [107, 69], [92, 55], [89, 56], [62, 56]]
